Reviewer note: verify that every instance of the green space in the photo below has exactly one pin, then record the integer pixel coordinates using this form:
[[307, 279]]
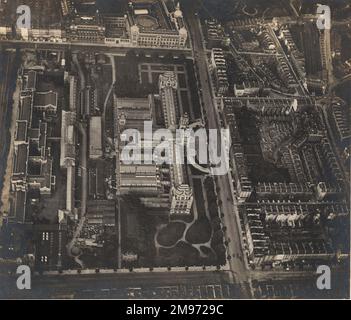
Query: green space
[[169, 235], [199, 232], [181, 255]]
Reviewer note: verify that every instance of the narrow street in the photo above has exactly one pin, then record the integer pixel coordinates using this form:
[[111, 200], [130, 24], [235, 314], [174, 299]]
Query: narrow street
[[8, 112]]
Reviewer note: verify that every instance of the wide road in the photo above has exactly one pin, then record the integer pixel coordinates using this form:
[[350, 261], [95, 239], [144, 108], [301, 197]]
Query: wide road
[[224, 182], [89, 47], [97, 284], [272, 275]]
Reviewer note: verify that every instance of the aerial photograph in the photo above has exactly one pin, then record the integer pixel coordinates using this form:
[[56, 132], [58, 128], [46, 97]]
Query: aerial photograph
[[175, 150]]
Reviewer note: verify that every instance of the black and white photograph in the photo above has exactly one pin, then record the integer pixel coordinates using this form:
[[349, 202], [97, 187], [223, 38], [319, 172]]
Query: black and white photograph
[[176, 151]]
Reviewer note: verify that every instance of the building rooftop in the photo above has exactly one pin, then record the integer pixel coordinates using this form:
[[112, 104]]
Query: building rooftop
[[20, 160], [45, 99], [21, 131], [68, 147], [30, 80], [95, 137], [25, 112], [18, 207], [150, 15]]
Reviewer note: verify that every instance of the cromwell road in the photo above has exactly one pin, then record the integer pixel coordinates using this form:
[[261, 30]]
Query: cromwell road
[[95, 285], [224, 182], [91, 47]]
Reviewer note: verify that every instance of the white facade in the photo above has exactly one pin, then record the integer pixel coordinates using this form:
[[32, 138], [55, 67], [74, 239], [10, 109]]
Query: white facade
[[182, 200], [95, 138], [174, 37]]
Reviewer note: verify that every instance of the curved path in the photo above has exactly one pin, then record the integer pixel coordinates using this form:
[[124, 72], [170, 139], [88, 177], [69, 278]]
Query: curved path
[[182, 238]]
